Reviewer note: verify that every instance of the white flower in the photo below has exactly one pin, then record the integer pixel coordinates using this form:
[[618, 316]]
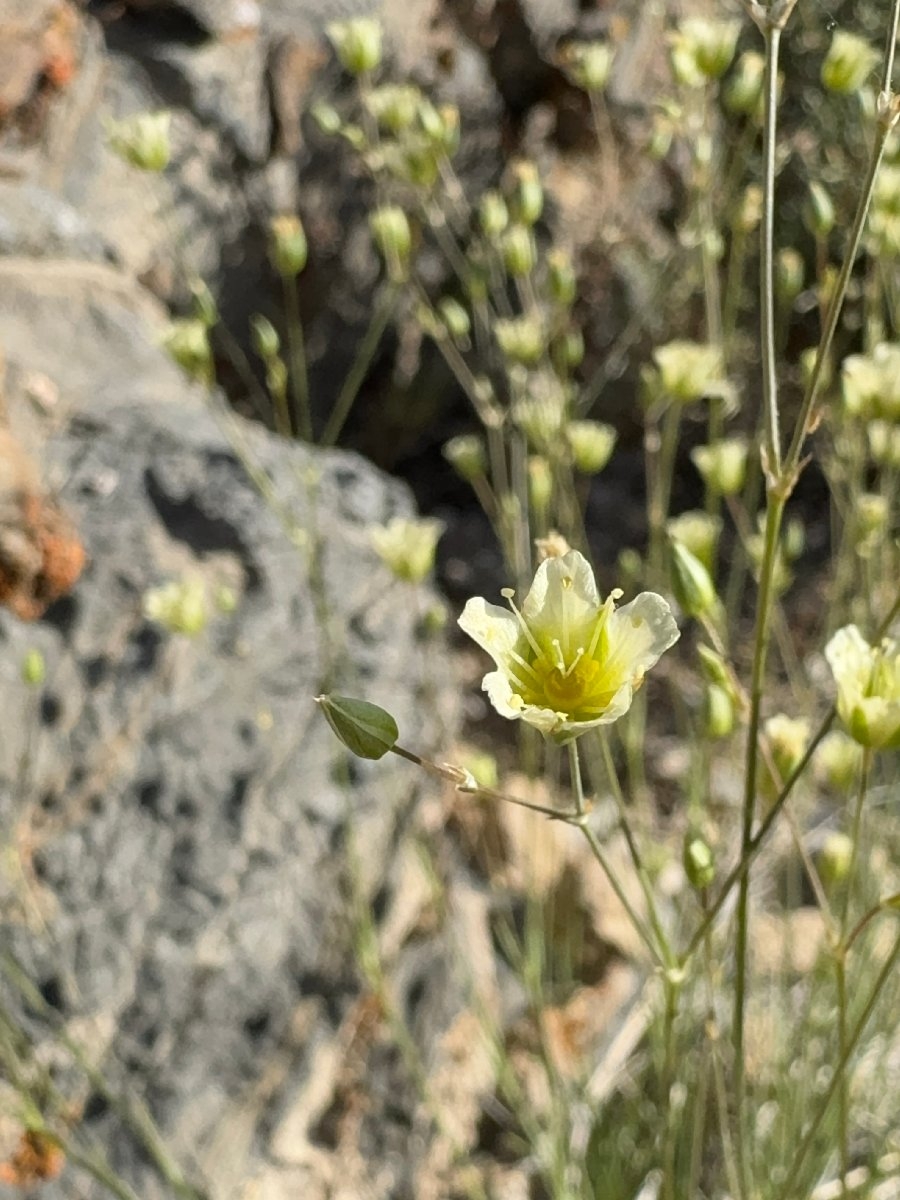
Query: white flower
[[868, 687], [567, 662]]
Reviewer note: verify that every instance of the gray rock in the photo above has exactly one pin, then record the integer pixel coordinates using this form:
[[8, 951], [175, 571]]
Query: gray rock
[[187, 808]]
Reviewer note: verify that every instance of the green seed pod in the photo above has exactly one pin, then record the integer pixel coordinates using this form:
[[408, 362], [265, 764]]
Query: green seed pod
[[365, 729]]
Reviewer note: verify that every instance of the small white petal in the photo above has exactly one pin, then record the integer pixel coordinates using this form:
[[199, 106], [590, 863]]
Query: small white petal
[[850, 657], [639, 633], [563, 599], [495, 629]]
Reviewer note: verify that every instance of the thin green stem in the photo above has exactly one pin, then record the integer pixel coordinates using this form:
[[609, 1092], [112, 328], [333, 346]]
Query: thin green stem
[[772, 34], [297, 353], [381, 315]]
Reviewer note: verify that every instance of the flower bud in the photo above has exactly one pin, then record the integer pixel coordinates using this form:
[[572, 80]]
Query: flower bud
[[205, 307], [789, 275], [834, 860], [743, 92], [793, 539], [365, 729], [357, 44], [723, 466], [697, 857], [521, 339], [838, 759], [702, 49], [561, 278], [715, 669], [493, 215], [884, 443], [591, 444], [588, 64], [699, 532], [691, 582], [872, 513], [142, 140], [467, 456], [407, 546], [819, 211], [455, 318], [848, 63], [540, 417], [718, 711], [750, 213], [540, 483], [689, 371], [482, 767], [34, 668], [395, 106], [187, 341], [393, 237], [567, 350], [288, 250], [788, 738], [327, 117], [264, 335], [528, 196], [519, 251], [868, 687]]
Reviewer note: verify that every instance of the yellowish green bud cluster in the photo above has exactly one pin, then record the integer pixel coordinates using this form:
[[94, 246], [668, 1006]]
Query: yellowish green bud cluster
[[848, 63], [588, 64], [521, 339], [702, 50], [395, 106], [407, 546], [142, 140], [722, 466], [591, 444], [357, 43], [180, 606], [288, 249]]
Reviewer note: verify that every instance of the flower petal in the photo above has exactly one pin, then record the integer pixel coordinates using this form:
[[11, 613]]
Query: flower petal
[[510, 704], [639, 633], [495, 629], [563, 601], [850, 657]]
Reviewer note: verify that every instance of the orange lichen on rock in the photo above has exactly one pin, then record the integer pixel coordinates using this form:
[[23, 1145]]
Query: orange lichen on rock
[[36, 1159]]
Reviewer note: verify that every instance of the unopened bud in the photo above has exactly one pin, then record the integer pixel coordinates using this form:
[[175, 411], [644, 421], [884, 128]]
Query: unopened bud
[[567, 350], [691, 582], [187, 341], [819, 211], [288, 249], [588, 64], [467, 456], [789, 275], [718, 712], [393, 237], [528, 197], [723, 466], [540, 483], [743, 92], [357, 44], [848, 63], [521, 339], [835, 859], [519, 251], [493, 215], [142, 140], [750, 212], [838, 758], [407, 546], [699, 865], [591, 444], [395, 106], [266, 341], [455, 318], [561, 278], [179, 606], [365, 729], [699, 532]]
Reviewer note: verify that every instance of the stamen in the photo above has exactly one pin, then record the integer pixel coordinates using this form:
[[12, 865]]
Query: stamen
[[602, 618], [525, 666], [507, 594], [560, 663], [574, 663]]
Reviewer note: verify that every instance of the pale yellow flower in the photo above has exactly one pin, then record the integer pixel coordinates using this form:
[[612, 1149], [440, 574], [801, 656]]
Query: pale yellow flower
[[566, 662], [868, 687]]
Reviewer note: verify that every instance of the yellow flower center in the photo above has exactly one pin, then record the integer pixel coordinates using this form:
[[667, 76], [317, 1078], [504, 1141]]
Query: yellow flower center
[[569, 690]]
